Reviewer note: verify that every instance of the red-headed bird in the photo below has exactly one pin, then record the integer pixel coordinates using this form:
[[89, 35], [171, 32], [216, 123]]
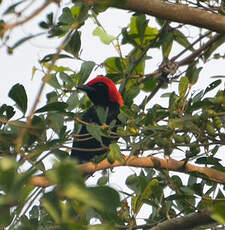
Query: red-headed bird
[[102, 92]]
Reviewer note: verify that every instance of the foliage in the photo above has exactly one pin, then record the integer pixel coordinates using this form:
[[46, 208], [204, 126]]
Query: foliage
[[190, 125]]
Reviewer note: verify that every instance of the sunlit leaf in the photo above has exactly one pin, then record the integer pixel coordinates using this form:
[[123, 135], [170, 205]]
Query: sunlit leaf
[[105, 38], [183, 85]]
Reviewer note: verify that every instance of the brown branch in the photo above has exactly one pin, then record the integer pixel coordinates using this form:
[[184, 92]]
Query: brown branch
[[144, 162], [34, 14], [172, 12], [186, 222], [197, 52]]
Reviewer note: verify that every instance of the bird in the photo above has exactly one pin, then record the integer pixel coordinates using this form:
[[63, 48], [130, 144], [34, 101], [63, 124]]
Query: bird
[[103, 93]]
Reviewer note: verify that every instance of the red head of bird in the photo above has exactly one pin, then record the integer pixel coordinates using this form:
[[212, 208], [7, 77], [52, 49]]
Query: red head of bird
[[102, 91]]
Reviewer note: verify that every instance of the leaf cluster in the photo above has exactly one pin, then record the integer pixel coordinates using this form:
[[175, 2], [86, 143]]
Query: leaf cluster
[[189, 126]]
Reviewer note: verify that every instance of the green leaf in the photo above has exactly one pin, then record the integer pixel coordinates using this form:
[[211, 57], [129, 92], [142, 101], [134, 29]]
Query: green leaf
[[131, 93], [7, 111], [193, 74], [167, 44], [72, 101], [8, 168], [66, 17], [133, 182], [219, 212], [95, 132], [139, 33], [181, 39], [149, 84], [208, 160], [74, 44], [104, 37], [11, 8], [68, 81], [115, 67], [56, 121], [18, 94], [85, 71], [213, 47], [53, 81], [183, 86], [102, 114], [151, 190], [103, 180], [114, 153], [179, 197], [55, 106], [52, 204], [49, 57], [21, 41], [212, 86], [110, 200], [6, 217]]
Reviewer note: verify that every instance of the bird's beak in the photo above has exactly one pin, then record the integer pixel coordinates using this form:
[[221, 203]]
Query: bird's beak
[[85, 88]]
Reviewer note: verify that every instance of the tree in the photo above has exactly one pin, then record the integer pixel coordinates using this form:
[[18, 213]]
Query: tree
[[189, 125]]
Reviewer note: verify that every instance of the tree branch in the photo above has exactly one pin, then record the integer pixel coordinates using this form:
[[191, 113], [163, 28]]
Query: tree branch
[[7, 27], [186, 222], [144, 162], [173, 12]]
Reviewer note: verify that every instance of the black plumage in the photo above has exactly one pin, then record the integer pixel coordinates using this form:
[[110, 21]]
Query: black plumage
[[103, 93]]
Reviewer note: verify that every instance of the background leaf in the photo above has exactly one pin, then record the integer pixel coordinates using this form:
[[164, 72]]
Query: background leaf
[[18, 94]]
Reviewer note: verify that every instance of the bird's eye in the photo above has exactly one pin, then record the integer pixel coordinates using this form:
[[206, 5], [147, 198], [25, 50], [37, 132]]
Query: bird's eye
[[99, 84]]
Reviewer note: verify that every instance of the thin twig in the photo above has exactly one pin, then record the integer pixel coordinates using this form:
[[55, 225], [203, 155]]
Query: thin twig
[[34, 14]]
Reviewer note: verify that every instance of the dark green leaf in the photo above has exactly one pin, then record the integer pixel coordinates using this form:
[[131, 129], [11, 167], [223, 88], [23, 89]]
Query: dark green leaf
[[61, 155], [85, 71], [95, 132], [208, 160], [5, 217], [212, 86], [179, 197], [215, 149], [56, 122], [115, 67], [68, 82], [52, 204], [133, 182], [21, 41], [53, 81], [103, 180], [167, 44], [49, 57], [11, 8], [102, 114], [18, 94], [213, 47], [7, 110], [193, 74], [52, 97], [66, 17], [131, 94], [110, 201], [55, 106], [114, 153], [74, 44], [72, 101], [181, 39]]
